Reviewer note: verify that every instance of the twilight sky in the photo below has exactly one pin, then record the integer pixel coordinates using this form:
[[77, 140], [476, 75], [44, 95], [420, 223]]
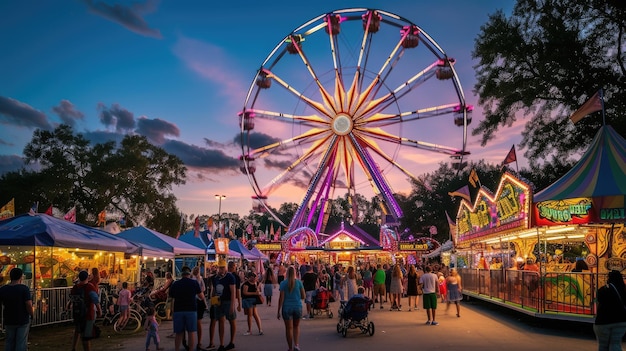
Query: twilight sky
[[178, 73]]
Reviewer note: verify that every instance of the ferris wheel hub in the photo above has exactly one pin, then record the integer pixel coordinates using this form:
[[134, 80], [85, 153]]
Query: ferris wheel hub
[[342, 124]]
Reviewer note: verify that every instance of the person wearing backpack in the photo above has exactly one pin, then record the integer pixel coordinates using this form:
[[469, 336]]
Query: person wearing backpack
[[85, 304]]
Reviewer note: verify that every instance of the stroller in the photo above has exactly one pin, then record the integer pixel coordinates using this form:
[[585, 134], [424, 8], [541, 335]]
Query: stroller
[[321, 302], [354, 314]]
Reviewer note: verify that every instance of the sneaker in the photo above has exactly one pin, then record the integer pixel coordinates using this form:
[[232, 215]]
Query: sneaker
[[427, 322], [229, 346], [221, 348], [296, 348], [381, 307], [311, 316], [261, 332], [247, 333], [434, 323]]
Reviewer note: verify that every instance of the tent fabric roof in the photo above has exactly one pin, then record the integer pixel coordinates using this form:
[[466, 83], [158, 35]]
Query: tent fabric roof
[[259, 254], [601, 171], [143, 235], [237, 246], [190, 238], [44, 230]]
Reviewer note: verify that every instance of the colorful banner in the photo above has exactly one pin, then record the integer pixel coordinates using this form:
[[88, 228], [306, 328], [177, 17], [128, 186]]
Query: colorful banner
[[606, 209]]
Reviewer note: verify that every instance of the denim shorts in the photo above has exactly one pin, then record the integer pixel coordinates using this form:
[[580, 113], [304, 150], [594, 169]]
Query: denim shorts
[[223, 310], [185, 321], [290, 313]]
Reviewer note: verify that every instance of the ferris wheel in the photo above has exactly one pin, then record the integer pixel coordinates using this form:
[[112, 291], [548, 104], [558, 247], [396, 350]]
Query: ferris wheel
[[344, 102]]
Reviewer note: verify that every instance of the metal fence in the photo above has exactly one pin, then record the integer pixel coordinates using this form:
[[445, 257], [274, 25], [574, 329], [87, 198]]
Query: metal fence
[[559, 295]]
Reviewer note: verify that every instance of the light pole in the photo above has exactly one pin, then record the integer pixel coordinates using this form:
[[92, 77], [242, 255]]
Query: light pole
[[219, 210]]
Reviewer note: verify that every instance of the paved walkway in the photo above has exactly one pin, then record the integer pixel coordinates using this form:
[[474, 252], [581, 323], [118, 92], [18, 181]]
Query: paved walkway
[[480, 327]]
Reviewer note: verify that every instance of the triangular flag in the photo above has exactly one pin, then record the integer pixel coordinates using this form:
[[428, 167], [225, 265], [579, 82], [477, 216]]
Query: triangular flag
[[462, 192], [8, 210], [34, 209], [209, 223], [102, 218], [70, 216], [473, 178], [592, 105], [510, 157], [49, 211], [452, 225], [196, 227]]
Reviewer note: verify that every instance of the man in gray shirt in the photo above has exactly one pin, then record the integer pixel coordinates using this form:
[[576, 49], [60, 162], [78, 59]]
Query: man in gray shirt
[[431, 291]]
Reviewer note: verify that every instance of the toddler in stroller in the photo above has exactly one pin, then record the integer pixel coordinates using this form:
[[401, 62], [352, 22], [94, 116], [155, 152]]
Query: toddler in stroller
[[321, 302], [354, 314]]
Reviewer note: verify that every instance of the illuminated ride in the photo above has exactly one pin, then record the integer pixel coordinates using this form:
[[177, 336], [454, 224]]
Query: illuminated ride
[[339, 105]]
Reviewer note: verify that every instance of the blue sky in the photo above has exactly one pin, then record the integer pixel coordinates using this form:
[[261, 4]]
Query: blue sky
[[178, 73]]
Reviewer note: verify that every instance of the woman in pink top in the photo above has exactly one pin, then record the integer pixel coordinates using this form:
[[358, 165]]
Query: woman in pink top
[[123, 300]]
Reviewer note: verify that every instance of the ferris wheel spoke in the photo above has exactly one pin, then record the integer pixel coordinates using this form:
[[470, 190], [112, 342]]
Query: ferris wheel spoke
[[314, 120], [294, 167], [381, 119], [311, 133], [384, 136], [320, 107], [377, 149]]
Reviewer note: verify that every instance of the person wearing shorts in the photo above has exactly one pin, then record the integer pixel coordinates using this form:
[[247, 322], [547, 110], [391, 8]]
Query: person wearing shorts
[[185, 318], [430, 284], [290, 307], [379, 284]]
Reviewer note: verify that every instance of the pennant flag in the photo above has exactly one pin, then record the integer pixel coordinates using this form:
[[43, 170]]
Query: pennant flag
[[473, 178], [462, 192], [249, 228], [180, 226], [277, 234], [102, 218], [452, 225], [34, 208], [271, 230], [209, 223], [510, 157], [70, 216], [49, 211], [196, 227], [8, 210], [592, 105]]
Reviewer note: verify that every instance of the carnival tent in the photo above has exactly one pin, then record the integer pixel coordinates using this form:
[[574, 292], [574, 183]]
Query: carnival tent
[[43, 230], [190, 238], [600, 172], [237, 246], [259, 254], [142, 235]]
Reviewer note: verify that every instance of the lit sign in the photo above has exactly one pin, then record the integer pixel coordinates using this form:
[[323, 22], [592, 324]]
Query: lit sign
[[413, 247], [568, 211], [269, 246], [221, 246], [506, 210], [342, 241]]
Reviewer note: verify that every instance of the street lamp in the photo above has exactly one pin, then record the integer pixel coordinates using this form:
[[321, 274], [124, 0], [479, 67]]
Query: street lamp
[[219, 210]]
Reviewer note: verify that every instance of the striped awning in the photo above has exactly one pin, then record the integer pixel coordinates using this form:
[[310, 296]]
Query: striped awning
[[600, 172]]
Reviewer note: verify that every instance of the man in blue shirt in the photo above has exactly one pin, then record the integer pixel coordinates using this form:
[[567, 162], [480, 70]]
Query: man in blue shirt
[[184, 293]]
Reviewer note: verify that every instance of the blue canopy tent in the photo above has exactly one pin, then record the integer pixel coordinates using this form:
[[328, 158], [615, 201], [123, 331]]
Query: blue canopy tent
[[142, 235], [56, 248], [259, 254], [237, 246], [190, 238]]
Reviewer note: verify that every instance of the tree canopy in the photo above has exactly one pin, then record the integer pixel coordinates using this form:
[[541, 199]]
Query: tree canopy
[[134, 179], [542, 63]]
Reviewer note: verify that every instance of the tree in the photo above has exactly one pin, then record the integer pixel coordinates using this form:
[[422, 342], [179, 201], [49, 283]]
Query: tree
[[543, 63], [133, 179]]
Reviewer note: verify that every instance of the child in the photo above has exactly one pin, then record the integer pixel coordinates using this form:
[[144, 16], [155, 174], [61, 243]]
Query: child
[[123, 301], [152, 328]]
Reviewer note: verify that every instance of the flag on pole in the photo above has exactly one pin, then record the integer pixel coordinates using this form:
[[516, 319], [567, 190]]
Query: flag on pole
[[70, 216], [473, 179], [452, 225], [592, 105], [510, 157], [196, 227], [209, 223], [277, 234], [462, 192], [34, 209], [102, 218], [49, 211], [180, 225], [8, 210]]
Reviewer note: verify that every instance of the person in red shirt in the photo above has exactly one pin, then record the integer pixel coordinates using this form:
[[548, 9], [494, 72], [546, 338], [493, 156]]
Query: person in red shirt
[[85, 328]]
